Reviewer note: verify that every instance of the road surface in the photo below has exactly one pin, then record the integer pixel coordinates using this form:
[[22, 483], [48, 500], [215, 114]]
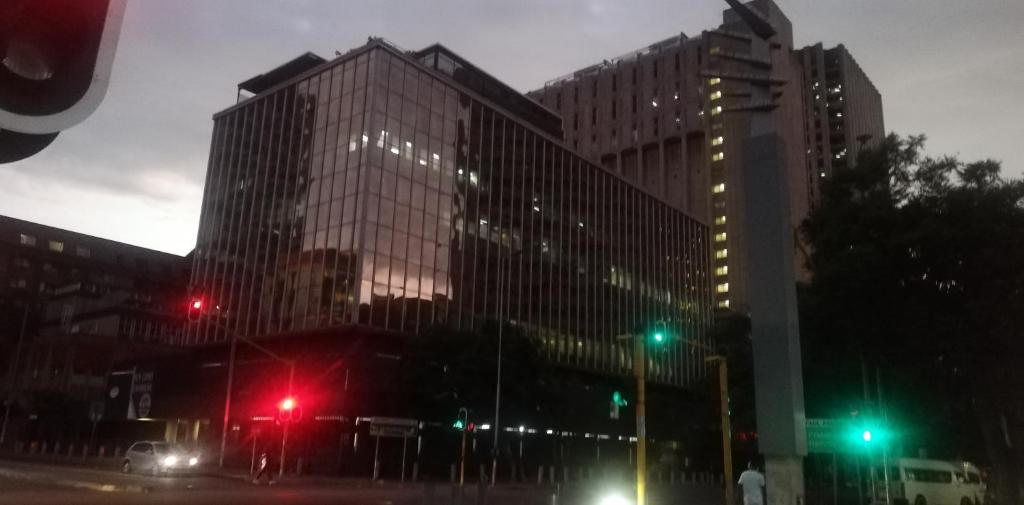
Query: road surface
[[27, 483]]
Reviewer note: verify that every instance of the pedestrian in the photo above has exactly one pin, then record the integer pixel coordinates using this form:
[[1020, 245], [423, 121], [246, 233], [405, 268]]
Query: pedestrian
[[264, 470], [752, 483]]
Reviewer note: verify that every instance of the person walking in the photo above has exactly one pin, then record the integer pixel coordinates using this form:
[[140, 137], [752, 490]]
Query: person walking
[[752, 483], [264, 470]]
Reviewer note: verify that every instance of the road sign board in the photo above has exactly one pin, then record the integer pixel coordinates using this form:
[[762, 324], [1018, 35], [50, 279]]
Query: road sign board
[[393, 427], [827, 435]]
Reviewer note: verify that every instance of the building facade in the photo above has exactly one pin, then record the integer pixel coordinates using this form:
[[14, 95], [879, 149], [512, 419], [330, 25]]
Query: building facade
[[671, 118], [405, 190], [844, 111]]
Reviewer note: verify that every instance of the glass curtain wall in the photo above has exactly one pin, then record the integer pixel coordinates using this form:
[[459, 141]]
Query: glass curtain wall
[[379, 192]]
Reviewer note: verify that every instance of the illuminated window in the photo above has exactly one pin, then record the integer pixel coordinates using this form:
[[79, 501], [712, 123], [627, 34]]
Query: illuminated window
[[722, 270], [716, 111], [721, 254], [720, 220], [720, 237], [719, 156], [28, 240], [717, 141], [715, 50], [723, 304], [56, 246], [718, 188], [714, 80], [722, 288], [716, 95]]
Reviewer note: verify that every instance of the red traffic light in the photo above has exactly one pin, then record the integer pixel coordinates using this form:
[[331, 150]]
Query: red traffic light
[[195, 309], [289, 411], [287, 404]]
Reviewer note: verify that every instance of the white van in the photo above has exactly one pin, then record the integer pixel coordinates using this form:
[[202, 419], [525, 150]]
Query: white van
[[931, 482]]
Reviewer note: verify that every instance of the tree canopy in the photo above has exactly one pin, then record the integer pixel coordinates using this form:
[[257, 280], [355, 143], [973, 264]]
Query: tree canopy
[[916, 265]]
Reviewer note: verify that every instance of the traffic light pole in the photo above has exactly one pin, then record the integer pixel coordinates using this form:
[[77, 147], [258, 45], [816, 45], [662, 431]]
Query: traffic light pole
[[723, 400], [639, 370], [227, 402], [284, 434], [235, 337]]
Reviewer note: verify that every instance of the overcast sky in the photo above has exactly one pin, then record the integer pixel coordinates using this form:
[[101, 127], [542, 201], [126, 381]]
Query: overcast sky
[[133, 172]]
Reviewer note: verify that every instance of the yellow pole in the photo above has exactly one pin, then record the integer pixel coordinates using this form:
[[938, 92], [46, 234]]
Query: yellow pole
[[723, 397], [639, 365]]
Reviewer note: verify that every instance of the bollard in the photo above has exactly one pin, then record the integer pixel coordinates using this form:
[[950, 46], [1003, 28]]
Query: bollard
[[565, 474], [551, 475], [540, 474], [554, 495], [33, 447], [102, 452]]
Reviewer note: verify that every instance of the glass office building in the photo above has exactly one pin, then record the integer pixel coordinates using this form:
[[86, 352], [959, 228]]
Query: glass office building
[[397, 191]]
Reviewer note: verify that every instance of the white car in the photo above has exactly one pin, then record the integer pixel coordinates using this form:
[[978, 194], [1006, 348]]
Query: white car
[[157, 458]]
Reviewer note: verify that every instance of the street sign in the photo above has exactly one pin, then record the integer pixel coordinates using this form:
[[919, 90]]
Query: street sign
[[827, 436], [393, 427]]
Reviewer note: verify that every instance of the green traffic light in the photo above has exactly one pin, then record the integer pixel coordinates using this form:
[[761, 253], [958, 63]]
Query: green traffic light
[[866, 435], [458, 424], [617, 399], [659, 337]]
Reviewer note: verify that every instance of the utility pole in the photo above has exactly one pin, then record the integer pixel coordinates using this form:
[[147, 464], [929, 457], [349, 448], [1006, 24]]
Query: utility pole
[[723, 400], [639, 370]]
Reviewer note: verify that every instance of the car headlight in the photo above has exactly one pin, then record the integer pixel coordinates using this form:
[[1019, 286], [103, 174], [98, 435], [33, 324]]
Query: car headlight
[[170, 461], [613, 499], [193, 461]]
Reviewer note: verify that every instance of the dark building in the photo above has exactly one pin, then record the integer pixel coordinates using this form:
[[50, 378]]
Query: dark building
[[844, 111], [671, 117], [79, 303], [401, 191]]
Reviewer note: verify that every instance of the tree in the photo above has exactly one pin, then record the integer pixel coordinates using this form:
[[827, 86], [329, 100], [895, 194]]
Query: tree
[[916, 266]]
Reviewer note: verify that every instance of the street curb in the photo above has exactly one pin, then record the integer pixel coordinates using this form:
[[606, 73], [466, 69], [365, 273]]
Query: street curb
[[79, 484]]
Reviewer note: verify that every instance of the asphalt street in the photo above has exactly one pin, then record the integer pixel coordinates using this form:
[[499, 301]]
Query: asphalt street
[[27, 483]]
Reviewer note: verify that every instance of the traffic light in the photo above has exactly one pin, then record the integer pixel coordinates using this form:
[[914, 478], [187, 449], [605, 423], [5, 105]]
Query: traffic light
[[289, 411], [618, 399], [195, 308], [659, 334], [462, 421], [55, 62]]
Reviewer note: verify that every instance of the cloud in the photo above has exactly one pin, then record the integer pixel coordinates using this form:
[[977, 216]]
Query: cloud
[[141, 158]]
